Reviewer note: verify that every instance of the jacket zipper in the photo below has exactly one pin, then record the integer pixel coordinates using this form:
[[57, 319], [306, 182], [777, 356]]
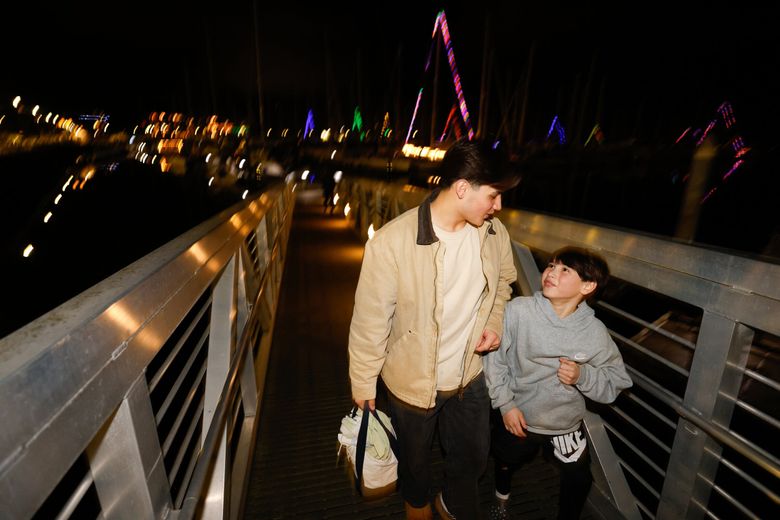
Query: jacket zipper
[[435, 321], [462, 386]]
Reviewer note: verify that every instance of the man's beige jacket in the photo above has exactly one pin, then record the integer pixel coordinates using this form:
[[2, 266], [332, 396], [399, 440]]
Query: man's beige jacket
[[398, 307]]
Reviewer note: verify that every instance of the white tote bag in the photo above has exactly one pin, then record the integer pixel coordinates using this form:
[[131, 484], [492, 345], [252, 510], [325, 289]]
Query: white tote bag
[[372, 436]]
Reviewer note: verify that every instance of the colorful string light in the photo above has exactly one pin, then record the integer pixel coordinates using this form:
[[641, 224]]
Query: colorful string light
[[464, 112], [726, 113], [357, 120], [440, 24]]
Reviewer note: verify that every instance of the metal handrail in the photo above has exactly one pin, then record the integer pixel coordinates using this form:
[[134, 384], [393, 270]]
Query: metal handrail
[[652, 326], [758, 457], [92, 353], [229, 390]]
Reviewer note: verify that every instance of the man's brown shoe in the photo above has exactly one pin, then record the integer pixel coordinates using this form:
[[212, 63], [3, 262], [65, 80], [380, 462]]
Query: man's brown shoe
[[418, 513]]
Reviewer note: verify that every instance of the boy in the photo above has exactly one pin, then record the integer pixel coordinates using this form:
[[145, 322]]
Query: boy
[[553, 352]]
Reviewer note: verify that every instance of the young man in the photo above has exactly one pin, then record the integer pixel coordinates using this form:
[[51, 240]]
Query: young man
[[429, 303], [553, 352]]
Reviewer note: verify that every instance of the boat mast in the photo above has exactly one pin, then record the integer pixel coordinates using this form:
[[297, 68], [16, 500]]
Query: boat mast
[[435, 88], [523, 109], [483, 84], [257, 68]]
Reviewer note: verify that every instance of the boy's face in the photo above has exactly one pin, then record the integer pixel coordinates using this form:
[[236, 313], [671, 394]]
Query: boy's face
[[479, 202], [562, 283]]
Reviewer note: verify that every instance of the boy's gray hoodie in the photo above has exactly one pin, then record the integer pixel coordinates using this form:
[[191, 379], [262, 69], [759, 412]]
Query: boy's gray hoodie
[[523, 372]]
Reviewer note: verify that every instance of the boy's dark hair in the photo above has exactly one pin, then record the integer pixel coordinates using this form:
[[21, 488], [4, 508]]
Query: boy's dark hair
[[479, 164], [590, 266]]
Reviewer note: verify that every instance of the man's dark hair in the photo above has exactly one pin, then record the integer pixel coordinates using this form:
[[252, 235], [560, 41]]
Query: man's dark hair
[[479, 164], [590, 266]]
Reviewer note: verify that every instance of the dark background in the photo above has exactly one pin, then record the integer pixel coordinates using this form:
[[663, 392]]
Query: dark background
[[657, 69]]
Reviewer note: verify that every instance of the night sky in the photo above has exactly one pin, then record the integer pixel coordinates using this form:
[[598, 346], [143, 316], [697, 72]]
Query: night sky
[[645, 72]]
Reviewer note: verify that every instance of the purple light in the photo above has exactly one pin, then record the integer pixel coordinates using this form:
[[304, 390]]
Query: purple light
[[309, 124], [552, 126], [558, 127]]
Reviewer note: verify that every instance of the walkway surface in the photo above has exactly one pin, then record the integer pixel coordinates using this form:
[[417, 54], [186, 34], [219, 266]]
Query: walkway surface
[[295, 472]]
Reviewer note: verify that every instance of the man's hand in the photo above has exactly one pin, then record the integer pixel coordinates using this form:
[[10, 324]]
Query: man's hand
[[514, 422], [488, 342], [568, 372], [360, 402]]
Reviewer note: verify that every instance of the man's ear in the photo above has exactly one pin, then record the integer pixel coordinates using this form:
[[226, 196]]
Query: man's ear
[[460, 187], [588, 287]]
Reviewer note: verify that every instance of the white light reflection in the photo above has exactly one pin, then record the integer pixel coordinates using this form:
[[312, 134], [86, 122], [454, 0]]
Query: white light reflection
[[47, 217], [197, 252], [236, 221], [118, 314], [123, 316], [27, 250]]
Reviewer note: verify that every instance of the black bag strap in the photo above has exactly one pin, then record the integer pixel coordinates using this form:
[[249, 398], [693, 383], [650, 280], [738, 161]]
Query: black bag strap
[[360, 449], [390, 435]]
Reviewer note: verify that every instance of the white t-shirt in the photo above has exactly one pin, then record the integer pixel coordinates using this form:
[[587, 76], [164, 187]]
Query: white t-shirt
[[463, 283]]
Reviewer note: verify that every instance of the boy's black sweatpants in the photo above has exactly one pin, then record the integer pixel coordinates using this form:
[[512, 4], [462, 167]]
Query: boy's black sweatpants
[[569, 452]]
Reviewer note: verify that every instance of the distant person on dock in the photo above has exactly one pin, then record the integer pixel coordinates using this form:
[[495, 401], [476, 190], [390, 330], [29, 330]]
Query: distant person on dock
[[553, 352], [429, 304], [328, 190]]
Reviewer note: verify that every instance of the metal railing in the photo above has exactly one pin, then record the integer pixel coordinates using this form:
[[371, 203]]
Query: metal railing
[[695, 437], [139, 397]]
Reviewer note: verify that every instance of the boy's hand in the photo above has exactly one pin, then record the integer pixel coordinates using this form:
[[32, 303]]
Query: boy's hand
[[488, 342], [514, 421], [568, 372]]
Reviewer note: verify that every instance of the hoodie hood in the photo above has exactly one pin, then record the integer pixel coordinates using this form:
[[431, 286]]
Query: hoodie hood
[[576, 321]]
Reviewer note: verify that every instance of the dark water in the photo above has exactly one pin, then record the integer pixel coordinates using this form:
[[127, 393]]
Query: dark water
[[126, 210]]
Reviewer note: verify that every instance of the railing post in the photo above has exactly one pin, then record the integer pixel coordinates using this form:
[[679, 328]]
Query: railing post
[[721, 355], [609, 481], [126, 461], [528, 277], [245, 307], [222, 342]]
